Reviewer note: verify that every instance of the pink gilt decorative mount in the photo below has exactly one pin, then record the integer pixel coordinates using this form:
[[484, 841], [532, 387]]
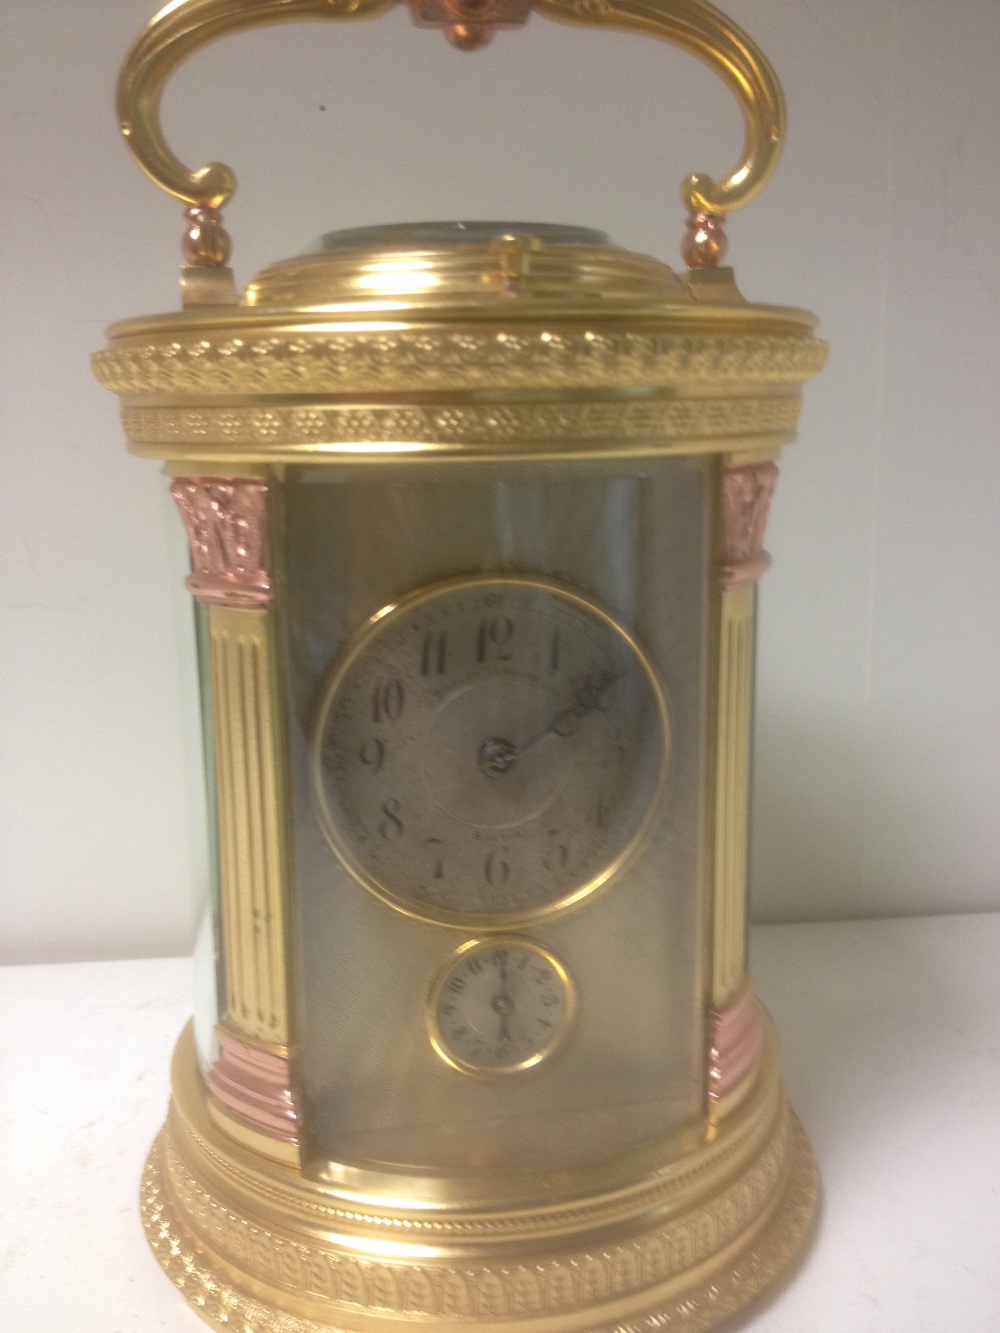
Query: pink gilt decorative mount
[[226, 522], [746, 493], [255, 1085], [736, 1036], [469, 24]]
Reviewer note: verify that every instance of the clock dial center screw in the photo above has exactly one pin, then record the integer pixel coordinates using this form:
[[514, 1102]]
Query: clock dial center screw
[[497, 756]]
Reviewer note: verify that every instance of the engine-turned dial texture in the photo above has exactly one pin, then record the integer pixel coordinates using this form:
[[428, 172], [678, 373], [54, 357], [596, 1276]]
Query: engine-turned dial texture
[[488, 749]]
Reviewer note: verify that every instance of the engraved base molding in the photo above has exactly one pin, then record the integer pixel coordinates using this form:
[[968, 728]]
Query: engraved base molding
[[688, 1240]]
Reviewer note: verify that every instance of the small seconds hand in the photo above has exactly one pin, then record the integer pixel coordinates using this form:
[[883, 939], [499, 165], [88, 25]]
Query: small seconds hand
[[502, 1003]]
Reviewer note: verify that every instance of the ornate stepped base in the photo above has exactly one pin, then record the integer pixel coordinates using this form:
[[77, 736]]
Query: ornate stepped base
[[683, 1244]]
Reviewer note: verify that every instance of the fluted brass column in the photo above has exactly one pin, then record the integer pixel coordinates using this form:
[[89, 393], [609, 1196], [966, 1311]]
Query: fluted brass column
[[735, 1018], [227, 526]]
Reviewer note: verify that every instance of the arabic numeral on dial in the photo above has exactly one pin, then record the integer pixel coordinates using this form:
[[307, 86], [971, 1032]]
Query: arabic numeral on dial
[[556, 855], [602, 811], [493, 639], [496, 868], [433, 845], [372, 754], [614, 756], [391, 826], [388, 700], [596, 692], [554, 648], [434, 653]]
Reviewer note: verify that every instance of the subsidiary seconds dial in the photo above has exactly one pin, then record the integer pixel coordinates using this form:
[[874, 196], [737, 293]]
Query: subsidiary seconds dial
[[488, 749], [501, 1005]]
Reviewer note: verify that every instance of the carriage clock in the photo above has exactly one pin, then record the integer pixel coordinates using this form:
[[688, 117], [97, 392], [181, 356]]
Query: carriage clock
[[476, 516]]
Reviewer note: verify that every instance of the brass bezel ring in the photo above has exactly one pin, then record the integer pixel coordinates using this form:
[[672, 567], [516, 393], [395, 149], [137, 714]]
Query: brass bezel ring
[[480, 921]]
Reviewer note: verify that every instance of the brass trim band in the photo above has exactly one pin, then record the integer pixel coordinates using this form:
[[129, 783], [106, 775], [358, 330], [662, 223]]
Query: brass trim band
[[227, 361], [275, 433]]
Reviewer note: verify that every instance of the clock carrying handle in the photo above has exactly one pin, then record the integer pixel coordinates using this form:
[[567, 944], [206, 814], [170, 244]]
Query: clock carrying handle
[[184, 26]]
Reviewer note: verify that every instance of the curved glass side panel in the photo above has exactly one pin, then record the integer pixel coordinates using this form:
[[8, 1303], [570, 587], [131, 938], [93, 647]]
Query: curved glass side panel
[[490, 668]]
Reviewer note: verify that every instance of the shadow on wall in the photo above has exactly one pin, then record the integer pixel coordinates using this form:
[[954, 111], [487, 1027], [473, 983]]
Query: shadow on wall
[[860, 1008], [847, 822]]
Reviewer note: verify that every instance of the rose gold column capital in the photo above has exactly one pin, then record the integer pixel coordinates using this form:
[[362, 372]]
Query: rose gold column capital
[[255, 1085], [736, 1038], [746, 497], [226, 522]]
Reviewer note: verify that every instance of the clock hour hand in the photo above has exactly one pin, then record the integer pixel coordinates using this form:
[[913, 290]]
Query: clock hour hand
[[497, 755]]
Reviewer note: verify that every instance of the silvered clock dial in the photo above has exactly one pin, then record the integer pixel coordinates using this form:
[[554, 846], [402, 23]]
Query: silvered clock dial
[[488, 749], [501, 1004]]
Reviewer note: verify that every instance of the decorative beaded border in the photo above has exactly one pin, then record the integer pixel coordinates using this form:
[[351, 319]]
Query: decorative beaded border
[[514, 1293], [313, 427], [455, 359]]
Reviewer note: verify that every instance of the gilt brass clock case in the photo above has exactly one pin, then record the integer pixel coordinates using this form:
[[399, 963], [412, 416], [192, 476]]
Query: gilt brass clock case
[[476, 515]]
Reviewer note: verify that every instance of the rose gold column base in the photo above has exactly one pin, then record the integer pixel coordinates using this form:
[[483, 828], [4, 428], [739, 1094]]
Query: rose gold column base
[[736, 1043], [254, 1084]]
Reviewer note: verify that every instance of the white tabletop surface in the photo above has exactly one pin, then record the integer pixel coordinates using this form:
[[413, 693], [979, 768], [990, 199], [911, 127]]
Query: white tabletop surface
[[891, 1054]]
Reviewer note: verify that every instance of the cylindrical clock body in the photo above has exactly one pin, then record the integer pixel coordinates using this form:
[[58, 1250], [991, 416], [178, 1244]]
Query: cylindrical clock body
[[476, 518]]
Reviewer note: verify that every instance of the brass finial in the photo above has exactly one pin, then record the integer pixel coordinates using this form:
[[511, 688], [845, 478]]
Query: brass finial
[[704, 244]]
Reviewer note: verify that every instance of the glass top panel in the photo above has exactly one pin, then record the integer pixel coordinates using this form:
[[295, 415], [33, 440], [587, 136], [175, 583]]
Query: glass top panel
[[411, 234]]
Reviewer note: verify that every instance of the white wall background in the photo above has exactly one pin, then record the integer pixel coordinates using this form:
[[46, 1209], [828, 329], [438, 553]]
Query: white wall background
[[877, 784]]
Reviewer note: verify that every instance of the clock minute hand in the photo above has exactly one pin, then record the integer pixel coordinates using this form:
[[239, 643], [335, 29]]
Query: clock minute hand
[[591, 697], [498, 755]]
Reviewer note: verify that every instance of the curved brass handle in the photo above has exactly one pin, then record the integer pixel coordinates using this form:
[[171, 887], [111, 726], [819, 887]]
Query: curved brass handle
[[705, 32], [174, 34], [185, 25]]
